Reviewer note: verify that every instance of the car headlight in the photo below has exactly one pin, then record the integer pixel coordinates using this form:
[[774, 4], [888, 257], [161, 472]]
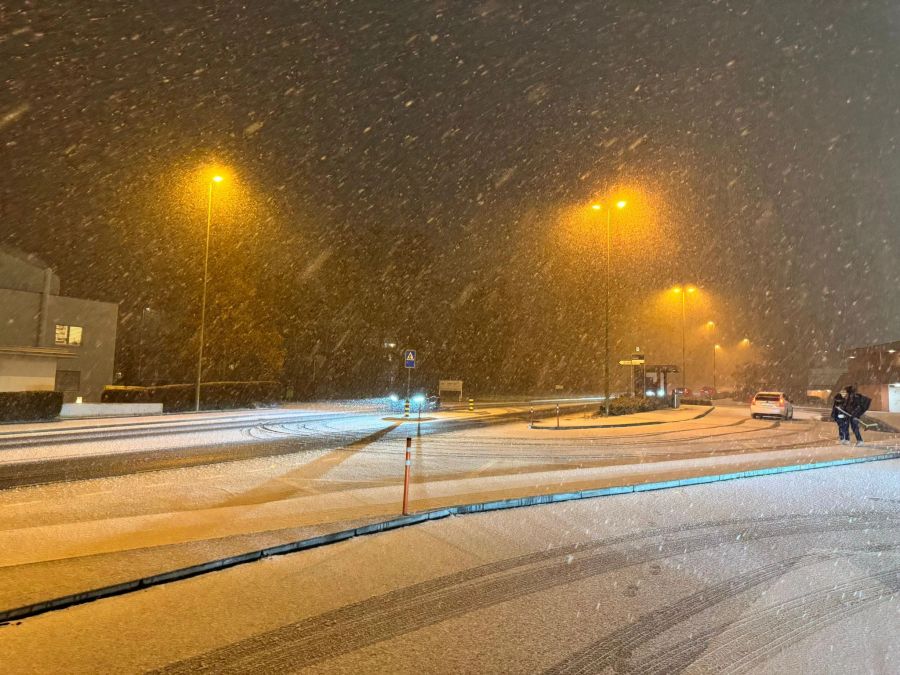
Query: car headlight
[[394, 398], [418, 398]]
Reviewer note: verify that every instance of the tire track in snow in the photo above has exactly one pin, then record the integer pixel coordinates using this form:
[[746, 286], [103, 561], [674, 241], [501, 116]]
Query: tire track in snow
[[753, 639], [615, 650], [392, 614]]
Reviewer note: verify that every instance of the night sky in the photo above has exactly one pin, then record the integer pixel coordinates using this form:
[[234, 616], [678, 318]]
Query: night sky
[[422, 171]]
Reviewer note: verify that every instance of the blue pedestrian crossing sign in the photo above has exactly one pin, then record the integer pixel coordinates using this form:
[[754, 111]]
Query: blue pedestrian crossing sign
[[409, 356]]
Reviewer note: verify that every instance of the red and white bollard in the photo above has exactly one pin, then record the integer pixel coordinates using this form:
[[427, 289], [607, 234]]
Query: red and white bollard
[[406, 477]]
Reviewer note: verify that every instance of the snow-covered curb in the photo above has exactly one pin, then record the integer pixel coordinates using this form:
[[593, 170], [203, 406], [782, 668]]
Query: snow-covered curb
[[403, 521], [624, 424]]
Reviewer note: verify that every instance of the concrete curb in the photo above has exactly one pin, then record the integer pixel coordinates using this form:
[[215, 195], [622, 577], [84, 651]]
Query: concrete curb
[[625, 424], [180, 574]]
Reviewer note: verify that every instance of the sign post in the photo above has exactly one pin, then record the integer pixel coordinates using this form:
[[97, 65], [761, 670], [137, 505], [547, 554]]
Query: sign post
[[409, 360]]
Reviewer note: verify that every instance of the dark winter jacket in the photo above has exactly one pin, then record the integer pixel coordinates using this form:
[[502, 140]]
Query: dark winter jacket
[[838, 403], [857, 404]]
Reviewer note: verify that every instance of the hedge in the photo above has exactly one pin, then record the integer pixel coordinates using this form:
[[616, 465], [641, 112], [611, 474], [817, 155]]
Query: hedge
[[29, 406], [627, 405], [213, 395]]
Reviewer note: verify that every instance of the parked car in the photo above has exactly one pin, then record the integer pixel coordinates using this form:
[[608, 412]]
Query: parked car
[[771, 404]]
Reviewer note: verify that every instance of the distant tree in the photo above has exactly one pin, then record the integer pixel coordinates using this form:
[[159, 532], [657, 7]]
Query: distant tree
[[242, 341]]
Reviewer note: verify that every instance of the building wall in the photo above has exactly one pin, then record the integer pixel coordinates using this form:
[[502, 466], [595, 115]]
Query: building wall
[[19, 274], [95, 357], [872, 370], [19, 313], [878, 393], [27, 373]]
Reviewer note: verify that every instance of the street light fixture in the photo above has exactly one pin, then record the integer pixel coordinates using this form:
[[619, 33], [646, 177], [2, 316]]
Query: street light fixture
[[683, 292], [597, 207], [213, 181]]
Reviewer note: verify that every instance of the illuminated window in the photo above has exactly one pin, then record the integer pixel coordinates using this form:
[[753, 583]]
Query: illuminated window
[[68, 335]]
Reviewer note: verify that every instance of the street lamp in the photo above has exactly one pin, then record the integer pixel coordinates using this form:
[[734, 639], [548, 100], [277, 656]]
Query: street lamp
[[215, 179], [597, 207], [683, 292]]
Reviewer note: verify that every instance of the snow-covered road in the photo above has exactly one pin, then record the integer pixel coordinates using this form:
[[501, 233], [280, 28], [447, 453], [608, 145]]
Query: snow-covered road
[[797, 573], [71, 537]]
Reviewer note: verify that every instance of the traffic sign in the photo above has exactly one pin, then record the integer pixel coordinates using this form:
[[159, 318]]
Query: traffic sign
[[409, 357]]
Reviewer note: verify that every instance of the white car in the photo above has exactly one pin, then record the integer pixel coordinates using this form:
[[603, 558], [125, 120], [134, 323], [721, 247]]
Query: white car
[[771, 404]]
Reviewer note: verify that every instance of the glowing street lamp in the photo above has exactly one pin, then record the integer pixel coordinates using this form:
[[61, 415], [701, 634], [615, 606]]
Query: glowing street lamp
[[683, 292], [214, 180], [598, 207]]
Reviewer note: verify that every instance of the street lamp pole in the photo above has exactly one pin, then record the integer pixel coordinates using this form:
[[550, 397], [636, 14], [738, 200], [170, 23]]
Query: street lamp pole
[[683, 345], [683, 291], [215, 179], [597, 207], [140, 376], [715, 348], [606, 321], [712, 332]]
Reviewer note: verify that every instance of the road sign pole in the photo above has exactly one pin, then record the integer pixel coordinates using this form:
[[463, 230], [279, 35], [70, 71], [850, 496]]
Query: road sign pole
[[409, 360], [406, 477]]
